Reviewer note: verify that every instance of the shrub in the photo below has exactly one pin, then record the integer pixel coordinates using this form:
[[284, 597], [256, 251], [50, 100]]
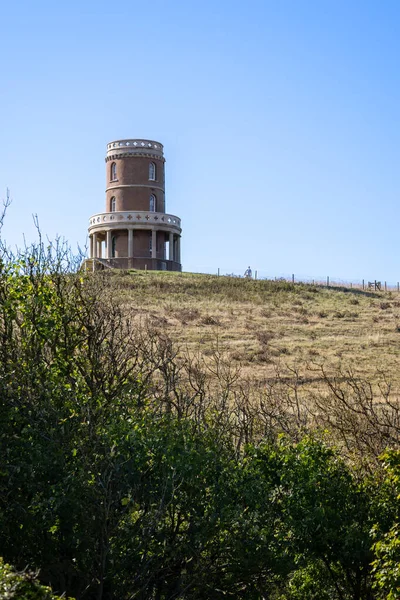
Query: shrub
[[23, 585]]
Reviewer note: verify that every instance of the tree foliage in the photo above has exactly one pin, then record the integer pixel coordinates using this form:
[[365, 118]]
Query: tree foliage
[[124, 474], [386, 566], [22, 586]]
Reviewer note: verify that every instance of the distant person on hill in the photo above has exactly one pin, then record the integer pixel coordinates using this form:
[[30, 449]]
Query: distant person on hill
[[248, 273]]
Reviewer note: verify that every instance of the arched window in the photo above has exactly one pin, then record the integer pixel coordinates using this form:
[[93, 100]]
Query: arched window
[[153, 203], [113, 176], [152, 171], [113, 204]]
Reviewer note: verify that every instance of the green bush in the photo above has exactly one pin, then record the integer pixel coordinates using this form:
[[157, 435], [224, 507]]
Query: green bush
[[119, 480], [22, 586]]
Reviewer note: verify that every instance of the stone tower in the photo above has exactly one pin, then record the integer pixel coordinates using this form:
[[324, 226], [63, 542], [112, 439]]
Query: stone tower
[[134, 231]]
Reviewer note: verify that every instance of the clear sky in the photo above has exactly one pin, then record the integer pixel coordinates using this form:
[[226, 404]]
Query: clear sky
[[279, 119]]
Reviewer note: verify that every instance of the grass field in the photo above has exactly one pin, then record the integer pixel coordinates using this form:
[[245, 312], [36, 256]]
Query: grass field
[[264, 325]]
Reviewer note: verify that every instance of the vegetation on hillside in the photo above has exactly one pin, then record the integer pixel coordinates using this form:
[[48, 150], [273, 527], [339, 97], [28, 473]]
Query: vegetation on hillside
[[262, 323], [134, 465]]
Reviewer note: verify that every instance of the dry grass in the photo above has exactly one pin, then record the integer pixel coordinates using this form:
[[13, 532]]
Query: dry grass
[[263, 324]]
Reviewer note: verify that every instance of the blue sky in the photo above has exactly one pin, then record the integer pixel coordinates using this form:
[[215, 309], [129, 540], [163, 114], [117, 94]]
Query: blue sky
[[279, 119]]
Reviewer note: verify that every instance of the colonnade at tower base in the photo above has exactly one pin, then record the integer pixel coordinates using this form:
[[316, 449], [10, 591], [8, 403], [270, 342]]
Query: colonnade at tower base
[[135, 246]]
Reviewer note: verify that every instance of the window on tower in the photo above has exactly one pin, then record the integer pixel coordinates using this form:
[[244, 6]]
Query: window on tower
[[113, 204], [113, 176], [153, 203], [152, 171]]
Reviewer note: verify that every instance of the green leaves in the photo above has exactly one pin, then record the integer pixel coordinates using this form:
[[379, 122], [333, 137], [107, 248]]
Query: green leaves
[[113, 489], [386, 565], [23, 586]]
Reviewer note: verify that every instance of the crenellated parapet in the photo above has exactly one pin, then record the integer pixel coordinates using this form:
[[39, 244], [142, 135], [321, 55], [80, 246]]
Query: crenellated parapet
[[134, 148]]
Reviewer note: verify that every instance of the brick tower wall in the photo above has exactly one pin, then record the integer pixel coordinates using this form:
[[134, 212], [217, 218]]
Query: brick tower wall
[[132, 188], [141, 244]]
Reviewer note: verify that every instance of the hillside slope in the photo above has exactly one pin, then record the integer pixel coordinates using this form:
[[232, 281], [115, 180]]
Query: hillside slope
[[262, 325]]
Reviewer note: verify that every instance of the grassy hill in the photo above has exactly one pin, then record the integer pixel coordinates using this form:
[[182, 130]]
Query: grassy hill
[[264, 325]]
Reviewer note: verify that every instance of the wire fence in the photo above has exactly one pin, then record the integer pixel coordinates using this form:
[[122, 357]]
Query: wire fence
[[370, 284]]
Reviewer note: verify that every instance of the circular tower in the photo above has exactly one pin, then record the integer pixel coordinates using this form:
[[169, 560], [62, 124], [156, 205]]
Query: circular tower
[[135, 231]]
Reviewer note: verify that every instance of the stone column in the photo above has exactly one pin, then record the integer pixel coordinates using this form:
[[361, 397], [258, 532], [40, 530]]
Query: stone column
[[178, 249], [130, 243], [154, 244], [171, 247], [94, 248], [90, 246], [109, 243]]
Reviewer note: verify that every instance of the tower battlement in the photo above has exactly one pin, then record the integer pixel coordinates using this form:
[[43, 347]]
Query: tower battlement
[[134, 147]]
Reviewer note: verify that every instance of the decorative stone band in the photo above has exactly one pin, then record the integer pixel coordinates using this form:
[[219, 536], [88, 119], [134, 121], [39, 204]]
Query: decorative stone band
[[135, 220], [134, 147], [133, 185], [133, 154]]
